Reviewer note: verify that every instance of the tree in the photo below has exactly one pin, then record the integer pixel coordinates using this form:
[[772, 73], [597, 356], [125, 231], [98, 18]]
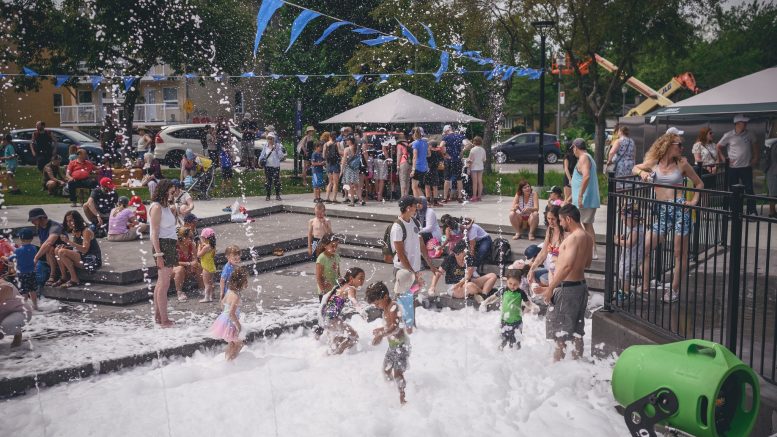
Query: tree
[[126, 38], [623, 31]]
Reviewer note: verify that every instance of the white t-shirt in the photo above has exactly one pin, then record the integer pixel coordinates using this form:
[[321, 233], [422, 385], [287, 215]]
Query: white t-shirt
[[739, 147], [476, 233], [477, 157], [432, 226], [412, 245]]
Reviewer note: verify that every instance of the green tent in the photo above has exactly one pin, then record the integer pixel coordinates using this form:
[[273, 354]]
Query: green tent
[[753, 94]]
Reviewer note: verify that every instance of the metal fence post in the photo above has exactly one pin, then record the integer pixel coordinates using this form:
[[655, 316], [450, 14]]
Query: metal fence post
[[735, 260], [609, 251]]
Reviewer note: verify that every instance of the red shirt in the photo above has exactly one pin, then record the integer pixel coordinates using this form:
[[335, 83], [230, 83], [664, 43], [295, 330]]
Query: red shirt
[[185, 251], [80, 170], [141, 214]]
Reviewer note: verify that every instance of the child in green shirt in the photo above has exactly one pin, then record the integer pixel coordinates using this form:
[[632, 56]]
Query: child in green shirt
[[513, 298]]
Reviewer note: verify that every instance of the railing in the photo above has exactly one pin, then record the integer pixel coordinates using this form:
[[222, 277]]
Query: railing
[[157, 113], [144, 113], [717, 258]]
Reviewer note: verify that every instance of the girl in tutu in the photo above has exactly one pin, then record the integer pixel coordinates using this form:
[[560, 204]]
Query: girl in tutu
[[227, 325], [342, 335]]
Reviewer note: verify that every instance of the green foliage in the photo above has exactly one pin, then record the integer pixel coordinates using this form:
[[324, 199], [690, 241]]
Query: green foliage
[[506, 184]]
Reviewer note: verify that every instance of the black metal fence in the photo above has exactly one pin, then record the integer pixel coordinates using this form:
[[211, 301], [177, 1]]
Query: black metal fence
[[706, 270]]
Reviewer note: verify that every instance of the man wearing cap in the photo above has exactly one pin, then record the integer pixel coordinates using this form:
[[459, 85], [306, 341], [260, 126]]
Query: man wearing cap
[[452, 142], [101, 202], [272, 155], [190, 221], [585, 188], [247, 155], [409, 248], [742, 151], [48, 233], [305, 151]]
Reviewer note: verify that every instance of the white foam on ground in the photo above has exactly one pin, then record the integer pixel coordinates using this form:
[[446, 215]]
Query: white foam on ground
[[459, 384]]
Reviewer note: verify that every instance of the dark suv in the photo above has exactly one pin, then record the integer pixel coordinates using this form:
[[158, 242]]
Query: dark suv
[[524, 147], [63, 139]]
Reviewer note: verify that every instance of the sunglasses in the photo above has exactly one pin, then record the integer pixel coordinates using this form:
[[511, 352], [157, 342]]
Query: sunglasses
[[678, 143]]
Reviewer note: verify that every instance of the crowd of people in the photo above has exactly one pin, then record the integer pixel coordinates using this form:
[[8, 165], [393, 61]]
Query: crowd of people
[[383, 164]]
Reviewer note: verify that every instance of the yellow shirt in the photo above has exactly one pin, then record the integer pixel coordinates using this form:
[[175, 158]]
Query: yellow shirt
[[207, 261]]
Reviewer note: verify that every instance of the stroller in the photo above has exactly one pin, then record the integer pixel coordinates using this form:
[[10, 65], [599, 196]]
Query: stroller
[[201, 183]]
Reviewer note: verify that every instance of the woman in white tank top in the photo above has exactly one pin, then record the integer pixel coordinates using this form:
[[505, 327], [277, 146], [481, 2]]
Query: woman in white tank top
[[162, 222]]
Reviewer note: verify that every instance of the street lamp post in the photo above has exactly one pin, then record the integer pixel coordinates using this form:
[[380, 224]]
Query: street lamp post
[[623, 93], [542, 27]]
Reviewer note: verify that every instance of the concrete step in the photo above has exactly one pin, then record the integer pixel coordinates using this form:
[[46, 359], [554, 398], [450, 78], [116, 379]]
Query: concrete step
[[124, 294], [139, 274]]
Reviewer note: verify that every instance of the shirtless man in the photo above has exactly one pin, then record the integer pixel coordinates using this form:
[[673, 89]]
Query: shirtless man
[[567, 292], [317, 227]]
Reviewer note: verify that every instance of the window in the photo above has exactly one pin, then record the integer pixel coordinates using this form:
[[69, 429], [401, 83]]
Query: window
[[84, 97], [187, 133], [57, 102], [23, 135], [523, 139], [238, 102], [170, 97]]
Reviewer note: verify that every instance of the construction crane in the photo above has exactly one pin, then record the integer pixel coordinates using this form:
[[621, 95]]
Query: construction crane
[[653, 98]]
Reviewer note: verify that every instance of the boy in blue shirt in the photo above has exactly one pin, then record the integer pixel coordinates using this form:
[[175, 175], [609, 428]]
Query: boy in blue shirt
[[25, 267], [317, 169], [11, 163]]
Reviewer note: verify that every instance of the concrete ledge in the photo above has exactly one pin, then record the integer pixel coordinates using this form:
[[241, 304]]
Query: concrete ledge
[[11, 387]]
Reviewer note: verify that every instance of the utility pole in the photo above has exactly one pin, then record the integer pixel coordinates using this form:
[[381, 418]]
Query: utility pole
[[542, 27], [561, 63]]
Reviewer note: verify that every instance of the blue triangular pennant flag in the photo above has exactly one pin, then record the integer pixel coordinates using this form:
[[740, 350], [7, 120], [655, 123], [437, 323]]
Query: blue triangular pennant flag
[[2, 75], [332, 27], [432, 43], [443, 66], [407, 34], [266, 11], [96, 79], [535, 74], [275, 76], [190, 75], [302, 77], [158, 77], [61, 79], [508, 73], [379, 40], [384, 77], [456, 47], [409, 72], [491, 73], [522, 72], [461, 70], [29, 72], [329, 75], [128, 81], [358, 78], [365, 31], [299, 25], [248, 74]]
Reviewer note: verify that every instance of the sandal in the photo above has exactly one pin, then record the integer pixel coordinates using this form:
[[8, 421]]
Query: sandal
[[58, 283], [50, 282], [278, 251], [69, 284]]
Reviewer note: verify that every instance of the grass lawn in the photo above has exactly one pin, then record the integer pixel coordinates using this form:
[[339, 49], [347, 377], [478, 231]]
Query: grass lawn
[[29, 180], [509, 181]]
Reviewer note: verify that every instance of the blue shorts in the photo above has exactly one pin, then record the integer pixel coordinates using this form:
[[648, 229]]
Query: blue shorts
[[670, 217], [333, 168]]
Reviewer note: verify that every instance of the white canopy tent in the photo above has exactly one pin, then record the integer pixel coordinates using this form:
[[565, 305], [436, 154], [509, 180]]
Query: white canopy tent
[[398, 107]]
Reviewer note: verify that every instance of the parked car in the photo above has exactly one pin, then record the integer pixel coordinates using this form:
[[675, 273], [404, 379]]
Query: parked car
[[63, 139], [173, 140], [524, 147]]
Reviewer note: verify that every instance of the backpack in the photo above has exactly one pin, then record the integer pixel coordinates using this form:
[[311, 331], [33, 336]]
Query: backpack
[[766, 157], [332, 154], [501, 253], [355, 162], [388, 252]]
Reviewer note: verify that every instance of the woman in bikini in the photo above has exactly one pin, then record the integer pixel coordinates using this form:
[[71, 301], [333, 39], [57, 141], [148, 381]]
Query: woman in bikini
[[544, 264], [666, 167]]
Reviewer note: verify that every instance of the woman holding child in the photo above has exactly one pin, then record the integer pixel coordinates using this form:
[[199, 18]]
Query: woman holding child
[[460, 276], [80, 250]]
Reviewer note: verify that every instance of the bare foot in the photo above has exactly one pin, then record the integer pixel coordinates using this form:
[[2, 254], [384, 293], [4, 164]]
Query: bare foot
[[517, 237], [167, 324], [17, 340]]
